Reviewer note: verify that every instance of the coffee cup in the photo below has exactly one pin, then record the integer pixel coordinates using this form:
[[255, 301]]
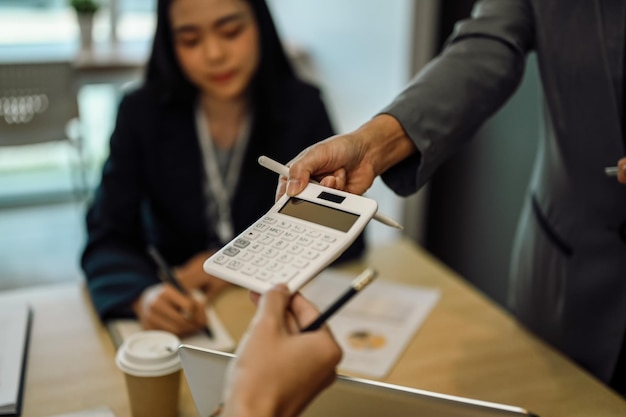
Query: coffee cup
[[152, 368]]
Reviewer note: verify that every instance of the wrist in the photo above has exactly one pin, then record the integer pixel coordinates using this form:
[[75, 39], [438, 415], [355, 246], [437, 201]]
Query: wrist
[[243, 409], [386, 142]]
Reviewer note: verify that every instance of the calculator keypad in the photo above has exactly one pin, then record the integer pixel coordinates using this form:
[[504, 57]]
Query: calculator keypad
[[274, 250]]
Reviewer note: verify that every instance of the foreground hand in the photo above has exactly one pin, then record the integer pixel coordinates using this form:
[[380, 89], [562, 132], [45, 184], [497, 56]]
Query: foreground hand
[[162, 307], [278, 370]]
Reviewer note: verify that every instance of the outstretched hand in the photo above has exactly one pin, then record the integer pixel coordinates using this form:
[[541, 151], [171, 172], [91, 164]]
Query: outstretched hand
[[278, 370]]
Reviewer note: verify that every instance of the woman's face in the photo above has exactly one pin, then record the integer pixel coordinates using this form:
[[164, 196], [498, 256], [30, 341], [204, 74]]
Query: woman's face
[[217, 45]]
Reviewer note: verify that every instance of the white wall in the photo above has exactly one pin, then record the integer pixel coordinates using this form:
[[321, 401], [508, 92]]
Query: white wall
[[361, 52]]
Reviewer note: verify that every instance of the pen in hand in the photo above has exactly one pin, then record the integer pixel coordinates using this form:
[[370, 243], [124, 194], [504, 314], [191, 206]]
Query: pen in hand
[[167, 276], [357, 285], [283, 170], [612, 171]]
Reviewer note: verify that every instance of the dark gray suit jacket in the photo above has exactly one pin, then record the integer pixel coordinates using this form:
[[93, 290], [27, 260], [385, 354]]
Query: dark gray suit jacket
[[569, 266]]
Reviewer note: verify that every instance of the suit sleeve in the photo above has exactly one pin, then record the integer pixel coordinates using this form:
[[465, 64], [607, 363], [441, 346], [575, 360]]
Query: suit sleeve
[[114, 260], [479, 69]]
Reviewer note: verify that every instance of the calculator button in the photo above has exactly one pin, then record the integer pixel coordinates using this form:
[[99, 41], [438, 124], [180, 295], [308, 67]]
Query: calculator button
[[329, 238], [249, 270], [269, 220], [310, 254], [246, 256], [264, 276], [320, 246], [290, 236], [314, 234], [274, 231], [235, 264], [285, 258], [261, 227], [295, 249], [300, 263], [266, 240], [284, 276], [274, 266], [298, 228], [231, 251], [241, 243], [270, 252], [281, 244], [221, 259], [256, 247], [304, 241], [284, 224], [259, 261]]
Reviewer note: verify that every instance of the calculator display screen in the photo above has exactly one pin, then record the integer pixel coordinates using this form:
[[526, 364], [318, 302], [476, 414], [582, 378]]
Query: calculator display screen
[[317, 213]]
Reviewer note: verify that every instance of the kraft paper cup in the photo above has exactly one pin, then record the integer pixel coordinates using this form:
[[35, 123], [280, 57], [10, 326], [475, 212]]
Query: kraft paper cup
[[151, 365]]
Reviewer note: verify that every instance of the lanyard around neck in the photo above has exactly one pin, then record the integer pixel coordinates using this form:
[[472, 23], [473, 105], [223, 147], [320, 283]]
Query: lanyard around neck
[[222, 187]]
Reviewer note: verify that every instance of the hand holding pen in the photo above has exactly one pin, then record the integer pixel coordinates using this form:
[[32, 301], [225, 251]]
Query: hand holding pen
[[172, 307]]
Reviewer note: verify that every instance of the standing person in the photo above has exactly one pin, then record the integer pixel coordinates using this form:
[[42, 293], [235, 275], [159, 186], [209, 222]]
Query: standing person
[[568, 272], [182, 174]]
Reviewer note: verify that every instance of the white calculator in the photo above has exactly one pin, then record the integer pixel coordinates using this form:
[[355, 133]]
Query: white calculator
[[295, 240]]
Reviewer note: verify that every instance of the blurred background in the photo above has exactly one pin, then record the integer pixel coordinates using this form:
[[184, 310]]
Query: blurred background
[[359, 52]]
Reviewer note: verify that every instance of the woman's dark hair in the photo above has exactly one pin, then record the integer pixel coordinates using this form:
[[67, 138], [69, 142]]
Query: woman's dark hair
[[164, 73]]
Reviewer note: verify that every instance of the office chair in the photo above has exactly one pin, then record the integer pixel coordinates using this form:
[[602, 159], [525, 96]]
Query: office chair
[[39, 104]]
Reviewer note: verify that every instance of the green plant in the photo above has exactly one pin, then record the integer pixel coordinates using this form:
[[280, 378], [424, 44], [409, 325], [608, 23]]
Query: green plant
[[85, 6]]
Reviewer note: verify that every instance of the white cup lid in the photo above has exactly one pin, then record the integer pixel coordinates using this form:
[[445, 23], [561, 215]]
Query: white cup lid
[[149, 353]]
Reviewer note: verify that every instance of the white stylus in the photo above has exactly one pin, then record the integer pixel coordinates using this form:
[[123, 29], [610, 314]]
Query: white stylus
[[283, 170], [612, 171]]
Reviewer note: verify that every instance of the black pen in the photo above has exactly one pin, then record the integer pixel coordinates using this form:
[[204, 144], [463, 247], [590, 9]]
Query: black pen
[[167, 276], [357, 285]]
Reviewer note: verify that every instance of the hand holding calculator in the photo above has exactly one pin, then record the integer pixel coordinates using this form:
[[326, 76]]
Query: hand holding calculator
[[294, 241]]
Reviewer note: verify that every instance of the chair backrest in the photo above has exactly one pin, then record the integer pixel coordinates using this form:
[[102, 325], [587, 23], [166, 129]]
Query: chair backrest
[[37, 100]]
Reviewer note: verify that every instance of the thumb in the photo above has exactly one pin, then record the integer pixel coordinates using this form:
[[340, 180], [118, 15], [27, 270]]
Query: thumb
[[298, 179], [273, 305]]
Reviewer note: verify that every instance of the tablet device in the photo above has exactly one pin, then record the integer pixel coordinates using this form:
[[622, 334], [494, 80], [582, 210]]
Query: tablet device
[[205, 371], [297, 238]]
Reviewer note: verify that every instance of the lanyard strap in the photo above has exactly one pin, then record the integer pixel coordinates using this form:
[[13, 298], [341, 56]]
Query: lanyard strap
[[221, 188]]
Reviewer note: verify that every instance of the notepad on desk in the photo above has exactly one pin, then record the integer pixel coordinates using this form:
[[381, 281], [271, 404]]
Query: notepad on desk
[[15, 319], [120, 329], [375, 326]]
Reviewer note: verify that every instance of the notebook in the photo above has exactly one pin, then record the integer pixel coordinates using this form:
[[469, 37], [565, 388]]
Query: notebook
[[15, 321], [120, 329], [205, 372]]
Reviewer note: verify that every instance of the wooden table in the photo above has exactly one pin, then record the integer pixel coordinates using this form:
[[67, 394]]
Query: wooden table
[[468, 346]]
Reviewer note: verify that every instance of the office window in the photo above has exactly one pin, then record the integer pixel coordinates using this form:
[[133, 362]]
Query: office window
[[50, 21], [33, 28]]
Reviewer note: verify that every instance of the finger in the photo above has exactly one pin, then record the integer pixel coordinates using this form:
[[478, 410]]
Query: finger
[[281, 188], [299, 176], [254, 297], [340, 179], [303, 310], [621, 170], [329, 181], [273, 305]]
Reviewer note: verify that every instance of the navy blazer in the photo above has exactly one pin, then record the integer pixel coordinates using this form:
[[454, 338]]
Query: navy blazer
[[152, 189]]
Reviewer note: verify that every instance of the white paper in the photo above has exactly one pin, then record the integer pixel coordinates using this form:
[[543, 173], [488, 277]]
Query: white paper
[[122, 328], [375, 326]]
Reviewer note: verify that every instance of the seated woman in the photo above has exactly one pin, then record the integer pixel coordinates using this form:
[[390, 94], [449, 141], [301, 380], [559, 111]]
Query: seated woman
[[182, 175]]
